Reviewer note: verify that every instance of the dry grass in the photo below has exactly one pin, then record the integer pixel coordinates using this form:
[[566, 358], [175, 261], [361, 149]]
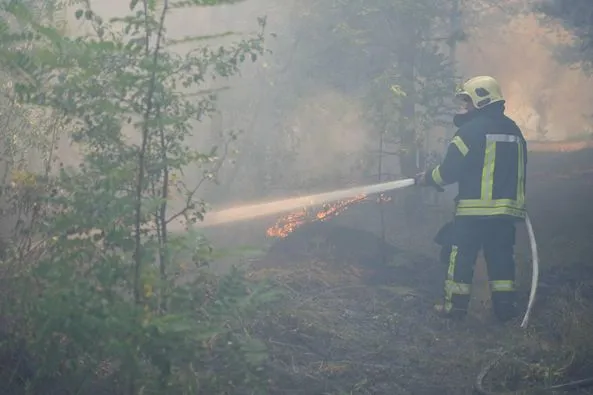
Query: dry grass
[[557, 350], [337, 334]]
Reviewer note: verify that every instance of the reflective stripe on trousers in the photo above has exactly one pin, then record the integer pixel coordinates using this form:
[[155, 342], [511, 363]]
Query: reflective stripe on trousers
[[451, 286], [455, 288], [502, 286]]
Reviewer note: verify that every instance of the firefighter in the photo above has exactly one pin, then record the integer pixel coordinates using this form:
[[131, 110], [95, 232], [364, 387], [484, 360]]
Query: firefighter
[[487, 157]]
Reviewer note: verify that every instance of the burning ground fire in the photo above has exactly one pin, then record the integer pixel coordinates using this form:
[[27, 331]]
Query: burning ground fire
[[290, 222]]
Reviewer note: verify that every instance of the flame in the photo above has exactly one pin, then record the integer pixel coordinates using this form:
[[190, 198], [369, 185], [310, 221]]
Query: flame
[[331, 210], [289, 223]]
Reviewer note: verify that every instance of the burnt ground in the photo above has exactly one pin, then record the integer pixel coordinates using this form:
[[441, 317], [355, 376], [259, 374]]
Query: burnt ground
[[357, 317]]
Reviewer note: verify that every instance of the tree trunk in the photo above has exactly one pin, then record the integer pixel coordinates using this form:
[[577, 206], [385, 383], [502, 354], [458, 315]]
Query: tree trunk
[[409, 149], [409, 158]]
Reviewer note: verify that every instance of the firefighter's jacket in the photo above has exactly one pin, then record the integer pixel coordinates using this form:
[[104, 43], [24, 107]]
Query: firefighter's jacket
[[487, 157]]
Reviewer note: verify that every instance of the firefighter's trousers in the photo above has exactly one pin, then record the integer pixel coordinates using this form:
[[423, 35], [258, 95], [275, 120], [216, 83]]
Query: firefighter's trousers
[[461, 242]]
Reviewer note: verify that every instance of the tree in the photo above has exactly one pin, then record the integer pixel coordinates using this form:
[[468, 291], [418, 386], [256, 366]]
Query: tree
[[385, 45], [577, 17], [100, 287]]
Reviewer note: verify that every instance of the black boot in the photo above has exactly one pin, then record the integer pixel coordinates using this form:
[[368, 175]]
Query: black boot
[[504, 306]]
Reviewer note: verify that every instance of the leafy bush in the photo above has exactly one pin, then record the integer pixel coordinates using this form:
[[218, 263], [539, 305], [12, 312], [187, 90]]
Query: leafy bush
[[96, 299]]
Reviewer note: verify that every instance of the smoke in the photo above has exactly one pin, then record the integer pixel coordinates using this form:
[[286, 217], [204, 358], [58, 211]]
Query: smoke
[[332, 130], [549, 99], [299, 131]]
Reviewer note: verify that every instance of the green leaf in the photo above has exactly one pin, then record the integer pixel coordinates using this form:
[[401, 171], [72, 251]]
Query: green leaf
[[103, 277]]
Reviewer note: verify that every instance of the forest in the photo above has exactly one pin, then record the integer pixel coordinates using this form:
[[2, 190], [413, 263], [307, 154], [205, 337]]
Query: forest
[[126, 123]]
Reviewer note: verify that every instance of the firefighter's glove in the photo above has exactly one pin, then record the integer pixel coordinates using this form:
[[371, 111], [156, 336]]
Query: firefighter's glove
[[420, 179]]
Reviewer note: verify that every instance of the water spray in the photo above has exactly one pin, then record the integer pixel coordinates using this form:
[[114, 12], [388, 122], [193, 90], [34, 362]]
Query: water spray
[[247, 212]]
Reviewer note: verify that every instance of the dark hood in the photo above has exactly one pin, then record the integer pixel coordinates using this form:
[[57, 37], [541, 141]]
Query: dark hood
[[493, 110]]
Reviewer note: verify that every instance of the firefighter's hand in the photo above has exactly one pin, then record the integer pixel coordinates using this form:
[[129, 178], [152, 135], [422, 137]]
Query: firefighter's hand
[[420, 179]]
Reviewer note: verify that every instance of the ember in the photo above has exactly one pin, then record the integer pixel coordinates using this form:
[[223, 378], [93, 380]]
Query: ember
[[289, 223], [330, 210]]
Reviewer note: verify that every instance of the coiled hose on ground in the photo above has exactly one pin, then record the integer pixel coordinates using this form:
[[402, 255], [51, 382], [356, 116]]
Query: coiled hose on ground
[[479, 384]]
